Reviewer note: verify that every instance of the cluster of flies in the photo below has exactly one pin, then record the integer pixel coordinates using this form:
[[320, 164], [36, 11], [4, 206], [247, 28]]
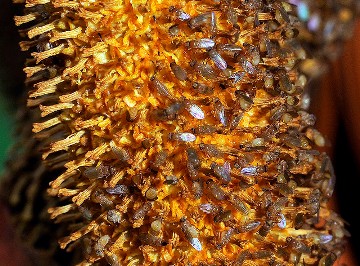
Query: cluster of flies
[[224, 57], [218, 71]]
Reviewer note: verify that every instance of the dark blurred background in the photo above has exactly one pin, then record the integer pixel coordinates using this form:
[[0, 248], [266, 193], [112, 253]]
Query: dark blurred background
[[11, 87], [335, 102], [11, 74]]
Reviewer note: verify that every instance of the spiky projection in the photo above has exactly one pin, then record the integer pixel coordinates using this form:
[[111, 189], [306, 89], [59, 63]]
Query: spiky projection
[[181, 131]]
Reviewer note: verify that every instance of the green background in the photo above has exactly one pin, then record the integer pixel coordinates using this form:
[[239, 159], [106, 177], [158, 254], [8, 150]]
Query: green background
[[11, 75], [6, 130]]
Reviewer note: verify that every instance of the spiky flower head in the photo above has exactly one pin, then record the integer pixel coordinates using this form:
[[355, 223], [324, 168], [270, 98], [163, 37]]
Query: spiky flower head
[[182, 132]]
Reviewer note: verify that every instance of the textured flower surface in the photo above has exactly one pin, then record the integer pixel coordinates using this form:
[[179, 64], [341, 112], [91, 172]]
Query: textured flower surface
[[180, 131]]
